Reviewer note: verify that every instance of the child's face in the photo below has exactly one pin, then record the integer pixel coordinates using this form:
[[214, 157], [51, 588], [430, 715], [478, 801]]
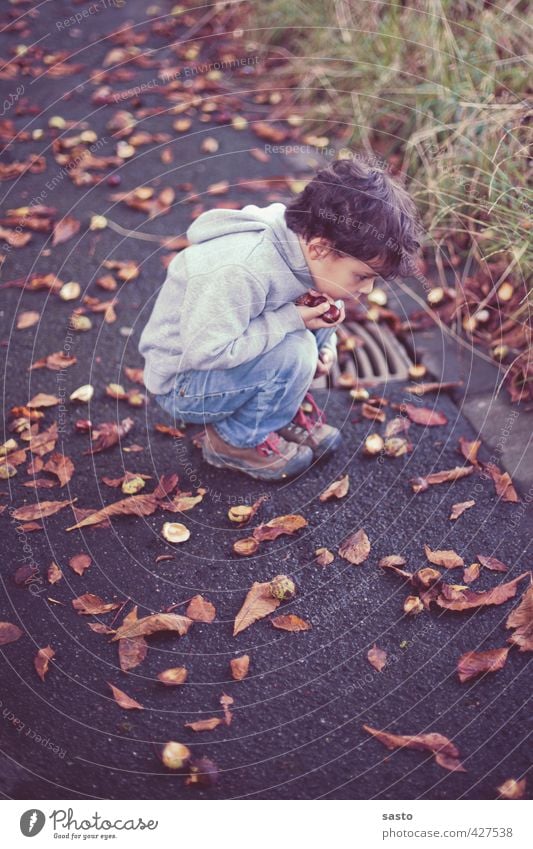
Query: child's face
[[340, 277]]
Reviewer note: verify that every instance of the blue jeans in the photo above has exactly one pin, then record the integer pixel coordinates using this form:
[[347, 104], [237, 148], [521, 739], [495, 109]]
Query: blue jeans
[[245, 403]]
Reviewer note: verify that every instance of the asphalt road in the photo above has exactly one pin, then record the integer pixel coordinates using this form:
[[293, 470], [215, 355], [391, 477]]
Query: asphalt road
[[297, 718]]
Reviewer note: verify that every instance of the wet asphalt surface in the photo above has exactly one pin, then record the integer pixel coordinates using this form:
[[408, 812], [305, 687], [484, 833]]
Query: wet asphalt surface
[[297, 718]]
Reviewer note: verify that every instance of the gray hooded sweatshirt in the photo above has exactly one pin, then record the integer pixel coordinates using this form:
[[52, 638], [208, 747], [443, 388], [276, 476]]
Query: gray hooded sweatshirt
[[228, 297]]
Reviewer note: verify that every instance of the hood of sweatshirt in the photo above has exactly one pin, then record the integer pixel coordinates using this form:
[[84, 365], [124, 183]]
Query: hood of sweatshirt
[[266, 220]]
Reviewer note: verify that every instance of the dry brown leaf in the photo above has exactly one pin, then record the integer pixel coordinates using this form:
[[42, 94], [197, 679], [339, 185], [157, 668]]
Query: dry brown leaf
[[90, 604], [425, 416], [451, 598], [392, 560], [204, 724], [324, 557], [39, 511], [420, 484], [65, 229], [355, 548], [246, 546], [459, 508], [54, 573], [27, 318], [9, 633], [240, 666], [337, 489], [123, 700], [492, 563], [473, 663], [174, 676], [446, 558], [424, 388], [471, 573], [377, 658], [469, 450], [56, 361], [131, 651], [291, 622], [512, 789], [60, 466], [279, 525], [258, 603], [155, 622], [107, 434], [133, 505], [201, 610], [375, 414], [79, 563], [521, 619], [43, 400], [446, 753], [42, 660], [503, 484]]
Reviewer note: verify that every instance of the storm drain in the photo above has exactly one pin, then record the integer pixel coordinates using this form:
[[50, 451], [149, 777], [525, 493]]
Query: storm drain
[[371, 353]]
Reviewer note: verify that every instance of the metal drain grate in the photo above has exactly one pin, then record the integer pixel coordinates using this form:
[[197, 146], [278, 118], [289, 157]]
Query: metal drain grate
[[376, 357]]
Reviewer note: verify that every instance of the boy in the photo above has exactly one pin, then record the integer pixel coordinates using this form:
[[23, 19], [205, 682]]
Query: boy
[[227, 346]]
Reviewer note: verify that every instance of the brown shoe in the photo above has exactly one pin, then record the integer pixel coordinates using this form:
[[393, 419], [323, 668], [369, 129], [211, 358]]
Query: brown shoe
[[309, 428], [273, 459]]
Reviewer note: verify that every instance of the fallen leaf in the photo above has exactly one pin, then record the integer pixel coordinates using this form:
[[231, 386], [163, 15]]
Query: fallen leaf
[[240, 666], [108, 434], [323, 556], [279, 525], [27, 318], [502, 483], [392, 560], [131, 650], [469, 450], [337, 489], [425, 416], [9, 633], [446, 753], [226, 701], [521, 619], [43, 400], [474, 663], [471, 573], [460, 599], [492, 563], [246, 546], [54, 573], [60, 466], [377, 657], [459, 508], [155, 622], [204, 724], [123, 700], [424, 388], [446, 558], [355, 548], [39, 511], [56, 361], [79, 563], [512, 789], [201, 610], [133, 505], [65, 229], [291, 622], [422, 483], [90, 604], [42, 660], [258, 603], [173, 677]]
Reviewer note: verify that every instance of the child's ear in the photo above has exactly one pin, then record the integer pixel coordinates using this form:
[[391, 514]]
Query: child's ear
[[319, 248]]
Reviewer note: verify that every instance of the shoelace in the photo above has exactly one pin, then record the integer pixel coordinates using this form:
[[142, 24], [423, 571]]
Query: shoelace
[[269, 444], [304, 420]]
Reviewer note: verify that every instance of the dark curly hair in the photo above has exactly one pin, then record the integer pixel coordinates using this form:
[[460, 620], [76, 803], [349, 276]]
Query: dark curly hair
[[362, 212]]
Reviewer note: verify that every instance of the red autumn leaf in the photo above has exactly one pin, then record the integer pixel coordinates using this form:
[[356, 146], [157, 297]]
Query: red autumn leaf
[[133, 650], [258, 603], [200, 609], [337, 489], [153, 623], [90, 604], [42, 660], [39, 511], [457, 599], [377, 658], [521, 619], [239, 667], [492, 563], [446, 753], [424, 415], [79, 563], [355, 548], [123, 700], [61, 466], [9, 633], [291, 622], [65, 229], [446, 558], [473, 663]]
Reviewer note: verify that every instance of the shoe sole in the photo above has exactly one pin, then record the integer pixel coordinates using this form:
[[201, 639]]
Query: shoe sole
[[298, 464]]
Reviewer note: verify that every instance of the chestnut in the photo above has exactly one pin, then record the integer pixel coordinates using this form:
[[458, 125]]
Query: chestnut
[[309, 300]]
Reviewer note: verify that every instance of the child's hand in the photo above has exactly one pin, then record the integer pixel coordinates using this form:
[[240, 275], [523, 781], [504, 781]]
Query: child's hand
[[311, 315], [326, 359]]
